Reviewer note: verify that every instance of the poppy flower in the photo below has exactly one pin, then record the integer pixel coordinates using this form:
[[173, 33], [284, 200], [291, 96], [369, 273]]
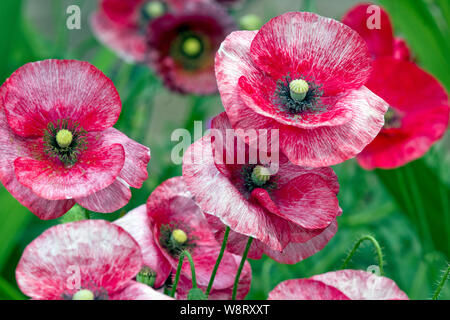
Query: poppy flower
[[292, 212], [377, 31], [418, 114], [418, 111], [57, 144], [304, 75], [183, 44], [121, 25], [85, 260], [171, 223], [339, 285]]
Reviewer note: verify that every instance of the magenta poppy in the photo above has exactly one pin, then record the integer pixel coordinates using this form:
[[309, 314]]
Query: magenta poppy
[[57, 143], [379, 38], [121, 24], [339, 285], [85, 260], [171, 223], [292, 212], [304, 75], [418, 113], [183, 44]]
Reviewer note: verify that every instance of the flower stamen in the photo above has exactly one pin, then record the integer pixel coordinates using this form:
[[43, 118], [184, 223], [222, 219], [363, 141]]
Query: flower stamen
[[64, 138]]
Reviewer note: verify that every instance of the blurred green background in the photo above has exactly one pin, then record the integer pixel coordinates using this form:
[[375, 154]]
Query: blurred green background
[[407, 210]]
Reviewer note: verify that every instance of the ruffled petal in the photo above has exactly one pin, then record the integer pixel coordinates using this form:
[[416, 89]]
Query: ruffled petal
[[110, 199], [139, 226], [423, 106], [379, 38], [137, 157], [139, 291], [305, 289], [362, 285], [92, 254], [326, 146], [318, 48], [51, 90], [126, 41], [12, 147], [96, 169]]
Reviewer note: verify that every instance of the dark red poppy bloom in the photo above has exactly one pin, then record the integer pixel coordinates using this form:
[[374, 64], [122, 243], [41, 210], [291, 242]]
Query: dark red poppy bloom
[[292, 213], [86, 260], [379, 38], [183, 45], [172, 223], [418, 113], [57, 143], [122, 24], [304, 75], [339, 285]]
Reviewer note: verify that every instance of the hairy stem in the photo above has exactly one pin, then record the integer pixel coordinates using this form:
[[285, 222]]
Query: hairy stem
[[177, 276], [241, 266], [441, 284], [356, 246], [219, 258]]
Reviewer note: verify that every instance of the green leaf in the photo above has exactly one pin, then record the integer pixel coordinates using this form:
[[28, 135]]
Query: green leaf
[[424, 198], [414, 21]]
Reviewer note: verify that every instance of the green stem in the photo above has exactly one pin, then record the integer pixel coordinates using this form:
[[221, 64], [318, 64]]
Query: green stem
[[377, 248], [219, 258], [177, 276], [441, 284], [241, 266]]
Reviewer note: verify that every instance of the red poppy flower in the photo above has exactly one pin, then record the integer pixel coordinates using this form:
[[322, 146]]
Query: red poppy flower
[[183, 45], [292, 209], [418, 111], [57, 143], [302, 74], [121, 24], [173, 222], [379, 38], [85, 260], [339, 285]]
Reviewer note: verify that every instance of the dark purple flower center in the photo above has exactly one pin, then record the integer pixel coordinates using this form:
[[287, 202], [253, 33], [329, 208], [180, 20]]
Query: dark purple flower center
[[64, 140], [175, 240], [257, 176], [190, 50], [289, 104]]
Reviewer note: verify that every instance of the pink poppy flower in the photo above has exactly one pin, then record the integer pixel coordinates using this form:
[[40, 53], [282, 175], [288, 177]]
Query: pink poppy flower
[[183, 45], [121, 24], [292, 213], [57, 143], [85, 260], [418, 115], [339, 285], [304, 75], [172, 222], [379, 38]]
